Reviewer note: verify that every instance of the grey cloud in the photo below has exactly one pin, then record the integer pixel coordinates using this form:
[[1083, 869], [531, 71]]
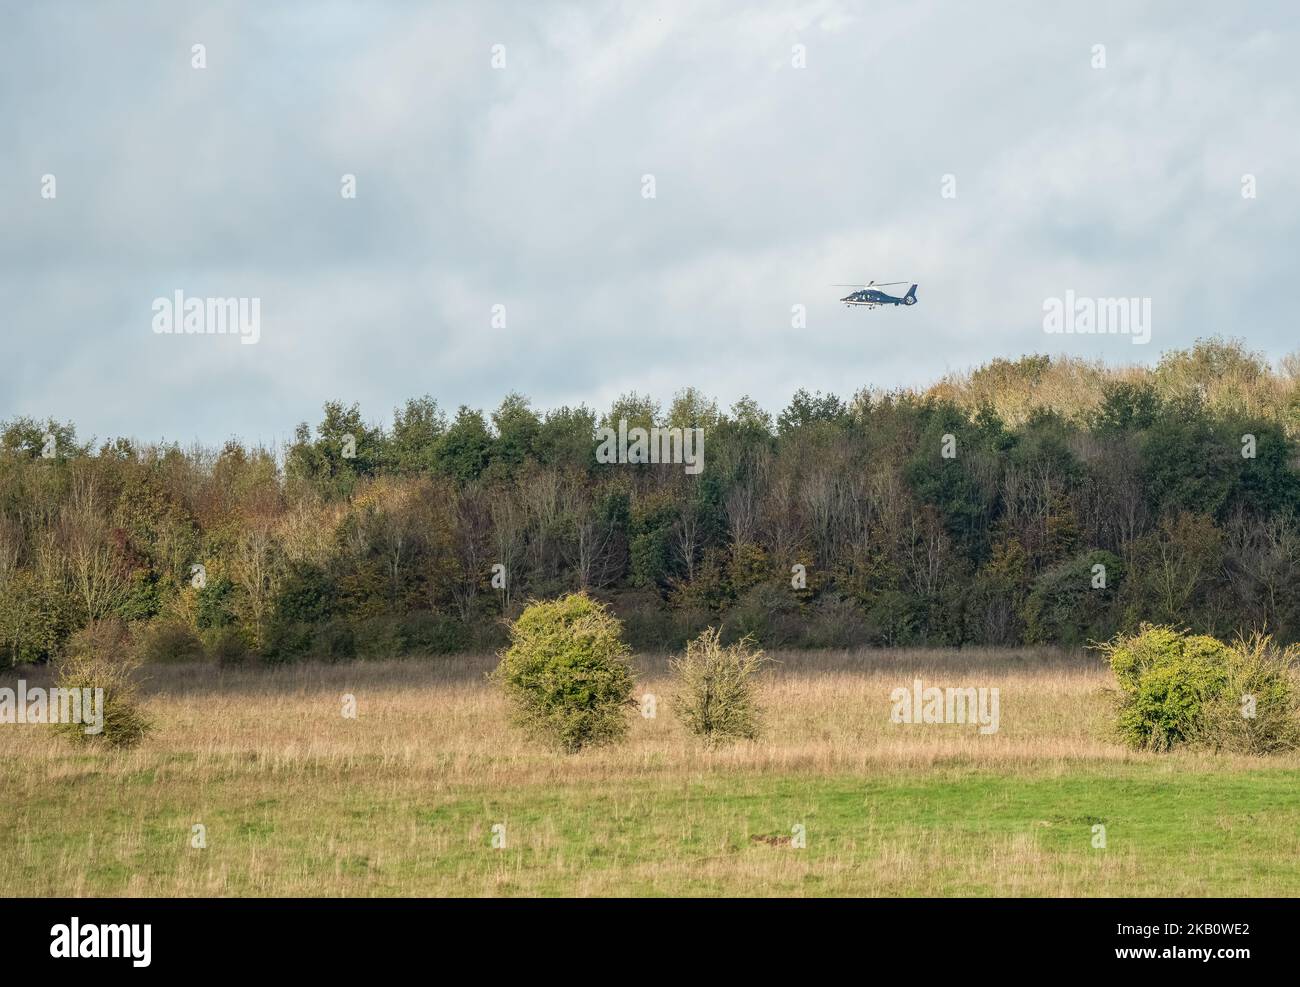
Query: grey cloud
[[522, 187]]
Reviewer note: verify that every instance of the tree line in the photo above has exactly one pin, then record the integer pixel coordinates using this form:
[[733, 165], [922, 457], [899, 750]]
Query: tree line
[[1040, 500]]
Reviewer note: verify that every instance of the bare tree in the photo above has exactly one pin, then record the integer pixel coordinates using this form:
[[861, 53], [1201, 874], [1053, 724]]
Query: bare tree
[[781, 522], [927, 550], [509, 532], [256, 568], [687, 534], [1265, 562], [95, 567], [471, 538], [587, 550], [741, 504], [11, 545]]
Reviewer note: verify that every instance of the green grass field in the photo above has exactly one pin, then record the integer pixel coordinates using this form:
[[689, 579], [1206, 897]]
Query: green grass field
[[297, 800]]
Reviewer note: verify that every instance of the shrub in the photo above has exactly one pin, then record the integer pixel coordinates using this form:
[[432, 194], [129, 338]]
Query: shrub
[[1166, 679], [566, 672], [1066, 606], [334, 641], [227, 646], [1178, 687], [286, 641], [213, 603], [170, 641], [98, 659], [1132, 655], [894, 618], [143, 599], [432, 634], [36, 617], [109, 636], [716, 699], [650, 627], [646, 626], [486, 637], [1256, 711], [306, 595], [421, 633], [768, 614], [377, 638], [835, 622]]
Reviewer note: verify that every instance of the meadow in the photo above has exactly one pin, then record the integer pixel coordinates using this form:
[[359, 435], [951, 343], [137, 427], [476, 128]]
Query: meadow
[[296, 799]]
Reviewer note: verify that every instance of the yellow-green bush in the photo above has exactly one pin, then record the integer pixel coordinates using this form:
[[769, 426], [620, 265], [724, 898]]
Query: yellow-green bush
[[567, 672], [1180, 688], [169, 641], [1256, 711], [716, 698], [98, 658]]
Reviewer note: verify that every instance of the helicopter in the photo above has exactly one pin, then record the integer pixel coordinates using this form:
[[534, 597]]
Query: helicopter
[[869, 296]]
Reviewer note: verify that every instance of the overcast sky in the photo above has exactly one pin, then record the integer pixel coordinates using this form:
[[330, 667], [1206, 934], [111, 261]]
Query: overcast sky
[[523, 186]]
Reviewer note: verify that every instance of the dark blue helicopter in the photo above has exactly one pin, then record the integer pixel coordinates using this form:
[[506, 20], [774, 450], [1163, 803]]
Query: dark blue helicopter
[[871, 297]]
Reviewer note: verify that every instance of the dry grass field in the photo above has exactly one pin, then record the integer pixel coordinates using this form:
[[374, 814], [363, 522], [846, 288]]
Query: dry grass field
[[296, 799]]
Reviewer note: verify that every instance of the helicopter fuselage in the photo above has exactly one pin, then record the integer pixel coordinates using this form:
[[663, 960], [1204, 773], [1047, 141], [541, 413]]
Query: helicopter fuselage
[[871, 297]]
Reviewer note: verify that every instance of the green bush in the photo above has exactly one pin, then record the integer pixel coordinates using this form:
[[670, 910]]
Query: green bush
[[36, 618], [144, 599], [373, 638], [716, 698], [98, 658], [425, 633], [835, 622], [421, 633], [1166, 677], [213, 603], [110, 636], [768, 614], [377, 638], [486, 637], [1167, 707], [1183, 688], [1131, 656], [894, 618], [334, 640], [646, 626], [1065, 606], [652, 627], [227, 645], [170, 641], [286, 641], [566, 672], [306, 596]]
